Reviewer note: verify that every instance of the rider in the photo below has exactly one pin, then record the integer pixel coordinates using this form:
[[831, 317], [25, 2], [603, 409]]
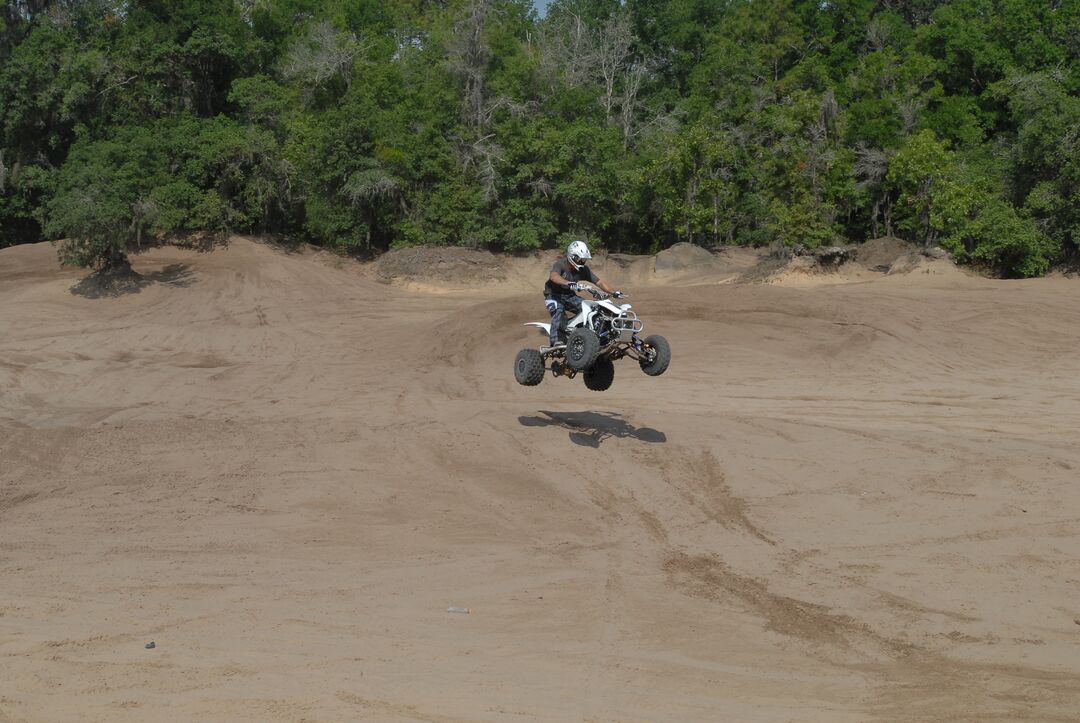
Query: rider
[[560, 291]]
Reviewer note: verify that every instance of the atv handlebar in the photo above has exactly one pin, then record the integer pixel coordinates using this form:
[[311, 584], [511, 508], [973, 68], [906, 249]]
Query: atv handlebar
[[596, 293], [601, 295]]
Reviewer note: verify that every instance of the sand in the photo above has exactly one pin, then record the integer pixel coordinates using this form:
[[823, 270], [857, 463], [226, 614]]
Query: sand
[[843, 501]]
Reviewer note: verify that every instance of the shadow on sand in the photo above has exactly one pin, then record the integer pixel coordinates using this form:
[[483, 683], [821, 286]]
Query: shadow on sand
[[589, 429], [111, 284]]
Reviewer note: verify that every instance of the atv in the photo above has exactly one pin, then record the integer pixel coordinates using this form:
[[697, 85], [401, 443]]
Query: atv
[[597, 337]]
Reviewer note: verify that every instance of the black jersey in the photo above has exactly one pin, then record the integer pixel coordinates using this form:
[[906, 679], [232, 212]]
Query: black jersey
[[563, 268]]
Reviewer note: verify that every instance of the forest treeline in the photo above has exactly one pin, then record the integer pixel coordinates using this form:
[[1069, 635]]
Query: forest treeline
[[369, 124]]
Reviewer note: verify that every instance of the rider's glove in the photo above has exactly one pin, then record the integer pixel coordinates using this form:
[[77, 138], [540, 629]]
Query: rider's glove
[[574, 286], [618, 294]]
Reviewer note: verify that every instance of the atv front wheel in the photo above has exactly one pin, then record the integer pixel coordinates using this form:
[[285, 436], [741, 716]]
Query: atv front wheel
[[659, 356], [529, 367], [582, 348], [599, 376]]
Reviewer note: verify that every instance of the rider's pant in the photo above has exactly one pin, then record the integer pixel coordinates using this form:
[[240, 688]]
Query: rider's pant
[[558, 306]]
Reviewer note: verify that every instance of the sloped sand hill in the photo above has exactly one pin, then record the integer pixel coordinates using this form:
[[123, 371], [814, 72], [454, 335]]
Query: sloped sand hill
[[843, 502]]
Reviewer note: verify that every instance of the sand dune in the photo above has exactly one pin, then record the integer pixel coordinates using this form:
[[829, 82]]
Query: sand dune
[[843, 502]]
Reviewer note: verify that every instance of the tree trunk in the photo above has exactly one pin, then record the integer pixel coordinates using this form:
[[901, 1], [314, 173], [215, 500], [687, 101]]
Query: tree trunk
[[116, 262], [716, 220]]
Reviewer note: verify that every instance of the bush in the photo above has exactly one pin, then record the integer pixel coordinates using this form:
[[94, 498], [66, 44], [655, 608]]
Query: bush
[[1006, 241], [98, 188], [206, 174]]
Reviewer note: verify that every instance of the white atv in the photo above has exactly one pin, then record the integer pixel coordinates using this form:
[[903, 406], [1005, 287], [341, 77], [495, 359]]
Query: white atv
[[603, 332]]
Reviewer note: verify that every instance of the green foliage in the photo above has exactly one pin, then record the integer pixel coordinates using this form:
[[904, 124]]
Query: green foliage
[[97, 190], [1045, 149], [21, 192], [1004, 240], [939, 201], [957, 119], [933, 197], [693, 187], [367, 124], [190, 173]]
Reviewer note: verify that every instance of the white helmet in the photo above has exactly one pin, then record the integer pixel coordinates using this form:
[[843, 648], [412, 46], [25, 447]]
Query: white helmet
[[577, 253]]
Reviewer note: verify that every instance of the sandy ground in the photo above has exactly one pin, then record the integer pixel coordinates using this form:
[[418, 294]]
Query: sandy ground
[[843, 502]]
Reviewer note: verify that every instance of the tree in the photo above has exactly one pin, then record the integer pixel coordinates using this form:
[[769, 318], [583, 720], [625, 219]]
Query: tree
[[635, 122], [694, 187], [1046, 152], [321, 56], [370, 190], [870, 169], [1003, 239], [933, 197], [97, 193]]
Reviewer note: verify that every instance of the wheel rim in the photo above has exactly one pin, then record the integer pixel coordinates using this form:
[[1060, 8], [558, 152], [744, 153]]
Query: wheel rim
[[578, 349]]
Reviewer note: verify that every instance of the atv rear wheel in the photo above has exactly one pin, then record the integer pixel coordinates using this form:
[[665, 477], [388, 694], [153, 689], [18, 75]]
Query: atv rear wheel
[[599, 376], [529, 367], [661, 356], [582, 348]]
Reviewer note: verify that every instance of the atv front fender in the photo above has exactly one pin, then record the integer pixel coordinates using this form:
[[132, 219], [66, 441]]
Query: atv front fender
[[544, 328]]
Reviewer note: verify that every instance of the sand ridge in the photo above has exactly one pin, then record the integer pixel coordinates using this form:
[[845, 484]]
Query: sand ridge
[[844, 501]]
